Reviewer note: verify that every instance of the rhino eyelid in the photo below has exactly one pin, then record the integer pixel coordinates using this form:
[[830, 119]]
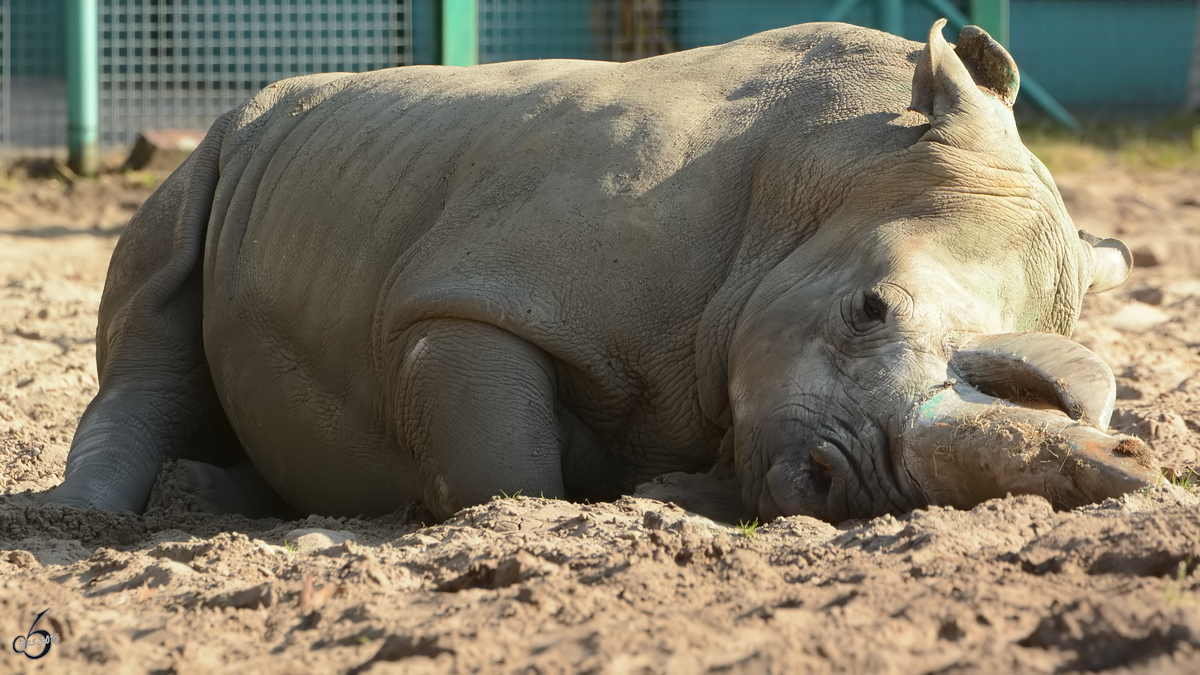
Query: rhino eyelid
[[874, 307]]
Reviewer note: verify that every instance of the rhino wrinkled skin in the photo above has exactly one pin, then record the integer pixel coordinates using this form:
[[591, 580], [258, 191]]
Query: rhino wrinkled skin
[[565, 278]]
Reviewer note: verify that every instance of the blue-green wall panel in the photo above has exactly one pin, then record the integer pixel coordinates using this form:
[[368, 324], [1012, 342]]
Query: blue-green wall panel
[[1107, 54], [36, 30], [710, 22], [511, 30]]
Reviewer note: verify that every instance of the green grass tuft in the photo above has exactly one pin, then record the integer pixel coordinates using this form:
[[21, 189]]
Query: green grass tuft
[[1184, 480], [750, 529], [1173, 592]]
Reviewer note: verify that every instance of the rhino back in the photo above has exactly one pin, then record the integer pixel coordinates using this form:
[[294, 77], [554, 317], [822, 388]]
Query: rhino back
[[595, 210]]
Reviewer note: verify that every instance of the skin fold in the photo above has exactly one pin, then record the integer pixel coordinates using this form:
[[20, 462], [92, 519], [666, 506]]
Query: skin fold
[[566, 278]]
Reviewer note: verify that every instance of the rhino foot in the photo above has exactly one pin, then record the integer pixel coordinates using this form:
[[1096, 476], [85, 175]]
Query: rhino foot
[[197, 486]]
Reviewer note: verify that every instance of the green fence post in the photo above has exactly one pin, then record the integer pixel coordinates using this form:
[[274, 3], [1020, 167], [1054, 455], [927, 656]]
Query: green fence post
[[992, 16], [83, 87], [460, 32]]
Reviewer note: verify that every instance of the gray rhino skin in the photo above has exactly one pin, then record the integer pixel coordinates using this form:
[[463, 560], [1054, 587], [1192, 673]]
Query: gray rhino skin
[[565, 278]]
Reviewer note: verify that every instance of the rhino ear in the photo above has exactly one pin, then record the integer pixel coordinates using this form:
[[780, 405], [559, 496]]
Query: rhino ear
[[989, 63], [1111, 262], [949, 78]]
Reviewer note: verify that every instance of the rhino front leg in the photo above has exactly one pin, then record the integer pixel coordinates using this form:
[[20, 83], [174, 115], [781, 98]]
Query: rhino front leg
[[476, 411]]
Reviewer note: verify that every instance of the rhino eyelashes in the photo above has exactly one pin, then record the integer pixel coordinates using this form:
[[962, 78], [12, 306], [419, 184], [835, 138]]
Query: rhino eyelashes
[[874, 307], [869, 313]]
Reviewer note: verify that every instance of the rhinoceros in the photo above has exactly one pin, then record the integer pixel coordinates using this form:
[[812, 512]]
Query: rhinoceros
[[819, 256]]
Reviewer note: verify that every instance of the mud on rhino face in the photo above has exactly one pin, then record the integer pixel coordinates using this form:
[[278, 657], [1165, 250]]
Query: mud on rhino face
[[914, 350]]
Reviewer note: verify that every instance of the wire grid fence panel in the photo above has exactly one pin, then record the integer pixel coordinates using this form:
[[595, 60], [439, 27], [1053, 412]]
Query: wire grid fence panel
[[623, 30], [33, 88], [611, 30], [182, 63]]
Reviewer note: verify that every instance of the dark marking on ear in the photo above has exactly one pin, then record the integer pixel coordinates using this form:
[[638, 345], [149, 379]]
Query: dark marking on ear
[[989, 63]]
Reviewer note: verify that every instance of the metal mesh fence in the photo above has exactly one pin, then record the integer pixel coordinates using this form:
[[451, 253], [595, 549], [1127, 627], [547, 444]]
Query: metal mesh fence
[[623, 30], [616, 30], [182, 63], [33, 87]]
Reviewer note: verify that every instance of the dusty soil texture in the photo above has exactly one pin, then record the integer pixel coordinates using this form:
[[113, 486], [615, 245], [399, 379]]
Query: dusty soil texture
[[532, 585]]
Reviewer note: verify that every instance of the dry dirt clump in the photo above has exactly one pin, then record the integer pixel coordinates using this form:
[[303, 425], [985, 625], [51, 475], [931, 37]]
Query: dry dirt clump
[[638, 585]]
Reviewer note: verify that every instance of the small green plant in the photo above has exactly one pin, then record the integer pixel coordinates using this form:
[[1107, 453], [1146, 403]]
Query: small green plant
[[750, 528], [1184, 480], [138, 178], [512, 496], [291, 547], [363, 639], [1173, 591]]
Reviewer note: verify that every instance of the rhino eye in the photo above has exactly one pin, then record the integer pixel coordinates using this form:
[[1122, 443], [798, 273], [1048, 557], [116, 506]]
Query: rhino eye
[[874, 308]]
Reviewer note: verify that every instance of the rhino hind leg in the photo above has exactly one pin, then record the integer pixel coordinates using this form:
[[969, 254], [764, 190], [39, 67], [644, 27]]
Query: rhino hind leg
[[476, 410], [156, 399]]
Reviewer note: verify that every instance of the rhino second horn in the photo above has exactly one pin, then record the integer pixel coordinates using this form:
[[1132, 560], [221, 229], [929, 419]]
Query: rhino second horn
[[1040, 368]]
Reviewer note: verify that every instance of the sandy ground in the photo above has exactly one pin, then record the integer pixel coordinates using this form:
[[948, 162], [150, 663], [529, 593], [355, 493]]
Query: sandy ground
[[539, 586]]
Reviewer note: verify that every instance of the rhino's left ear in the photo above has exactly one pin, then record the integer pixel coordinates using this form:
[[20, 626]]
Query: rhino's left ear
[[1111, 262], [989, 63], [952, 78]]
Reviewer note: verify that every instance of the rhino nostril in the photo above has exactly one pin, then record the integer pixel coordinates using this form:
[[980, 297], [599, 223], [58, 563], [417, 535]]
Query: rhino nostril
[[800, 486]]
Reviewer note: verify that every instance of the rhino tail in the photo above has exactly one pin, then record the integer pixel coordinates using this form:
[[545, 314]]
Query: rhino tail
[[156, 400]]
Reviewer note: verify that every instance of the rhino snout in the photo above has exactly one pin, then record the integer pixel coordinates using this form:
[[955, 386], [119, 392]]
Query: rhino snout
[[804, 484]]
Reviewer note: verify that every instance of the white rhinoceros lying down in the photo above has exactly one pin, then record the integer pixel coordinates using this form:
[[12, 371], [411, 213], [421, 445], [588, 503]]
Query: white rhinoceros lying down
[[820, 255]]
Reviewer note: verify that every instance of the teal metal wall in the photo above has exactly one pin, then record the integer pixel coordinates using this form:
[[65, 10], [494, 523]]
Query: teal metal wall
[[710, 22], [35, 28], [1107, 56], [1096, 57], [33, 88]]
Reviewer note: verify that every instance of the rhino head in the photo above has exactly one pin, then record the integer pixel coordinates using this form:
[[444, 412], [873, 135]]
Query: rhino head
[[915, 349]]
